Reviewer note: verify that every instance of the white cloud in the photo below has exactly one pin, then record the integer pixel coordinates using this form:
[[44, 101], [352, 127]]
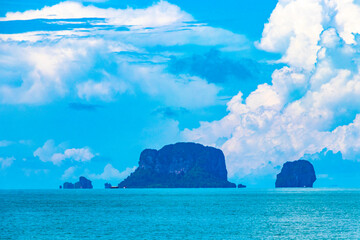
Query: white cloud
[[76, 154], [6, 162], [184, 91], [348, 11], [310, 105], [295, 26], [42, 69], [46, 151], [68, 173], [42, 66], [160, 14], [112, 173], [294, 30], [56, 154], [50, 72]]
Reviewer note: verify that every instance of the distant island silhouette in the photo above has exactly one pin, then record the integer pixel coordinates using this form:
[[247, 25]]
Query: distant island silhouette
[[83, 183], [180, 165], [299, 173], [192, 165]]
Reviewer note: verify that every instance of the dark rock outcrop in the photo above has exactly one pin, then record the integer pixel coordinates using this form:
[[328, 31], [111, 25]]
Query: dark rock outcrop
[[83, 183], [299, 173], [241, 186], [180, 165], [107, 185], [68, 185]]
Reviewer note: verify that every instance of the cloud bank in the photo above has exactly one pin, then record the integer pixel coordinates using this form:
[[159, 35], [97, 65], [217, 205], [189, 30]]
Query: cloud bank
[[112, 55], [311, 104], [160, 14], [57, 154]]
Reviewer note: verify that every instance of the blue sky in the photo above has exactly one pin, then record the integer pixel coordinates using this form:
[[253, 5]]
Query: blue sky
[[87, 85]]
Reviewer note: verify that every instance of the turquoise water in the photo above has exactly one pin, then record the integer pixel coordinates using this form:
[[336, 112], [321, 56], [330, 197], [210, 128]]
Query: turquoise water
[[180, 214]]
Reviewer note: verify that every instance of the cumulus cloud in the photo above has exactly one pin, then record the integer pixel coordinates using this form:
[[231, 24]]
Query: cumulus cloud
[[43, 71], [56, 154], [55, 71], [184, 91], [295, 27], [112, 173], [6, 162], [51, 71], [76, 154], [310, 105], [68, 173], [39, 67], [294, 30]]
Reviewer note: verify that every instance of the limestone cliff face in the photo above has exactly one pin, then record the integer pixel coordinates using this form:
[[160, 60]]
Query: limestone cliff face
[[299, 173], [187, 165]]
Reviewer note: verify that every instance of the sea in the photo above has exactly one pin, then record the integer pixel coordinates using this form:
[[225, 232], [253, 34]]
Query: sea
[[180, 214]]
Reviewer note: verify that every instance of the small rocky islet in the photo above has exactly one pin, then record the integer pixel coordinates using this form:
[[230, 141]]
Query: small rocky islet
[[300, 173], [83, 183], [192, 165]]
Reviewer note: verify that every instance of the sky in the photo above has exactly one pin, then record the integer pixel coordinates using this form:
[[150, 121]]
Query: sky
[[87, 85]]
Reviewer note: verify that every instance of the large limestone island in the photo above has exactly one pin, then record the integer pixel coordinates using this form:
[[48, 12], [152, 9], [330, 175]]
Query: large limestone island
[[180, 165], [83, 183], [299, 173]]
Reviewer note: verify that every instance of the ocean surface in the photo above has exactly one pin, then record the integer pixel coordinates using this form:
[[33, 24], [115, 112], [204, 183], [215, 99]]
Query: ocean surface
[[180, 214]]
